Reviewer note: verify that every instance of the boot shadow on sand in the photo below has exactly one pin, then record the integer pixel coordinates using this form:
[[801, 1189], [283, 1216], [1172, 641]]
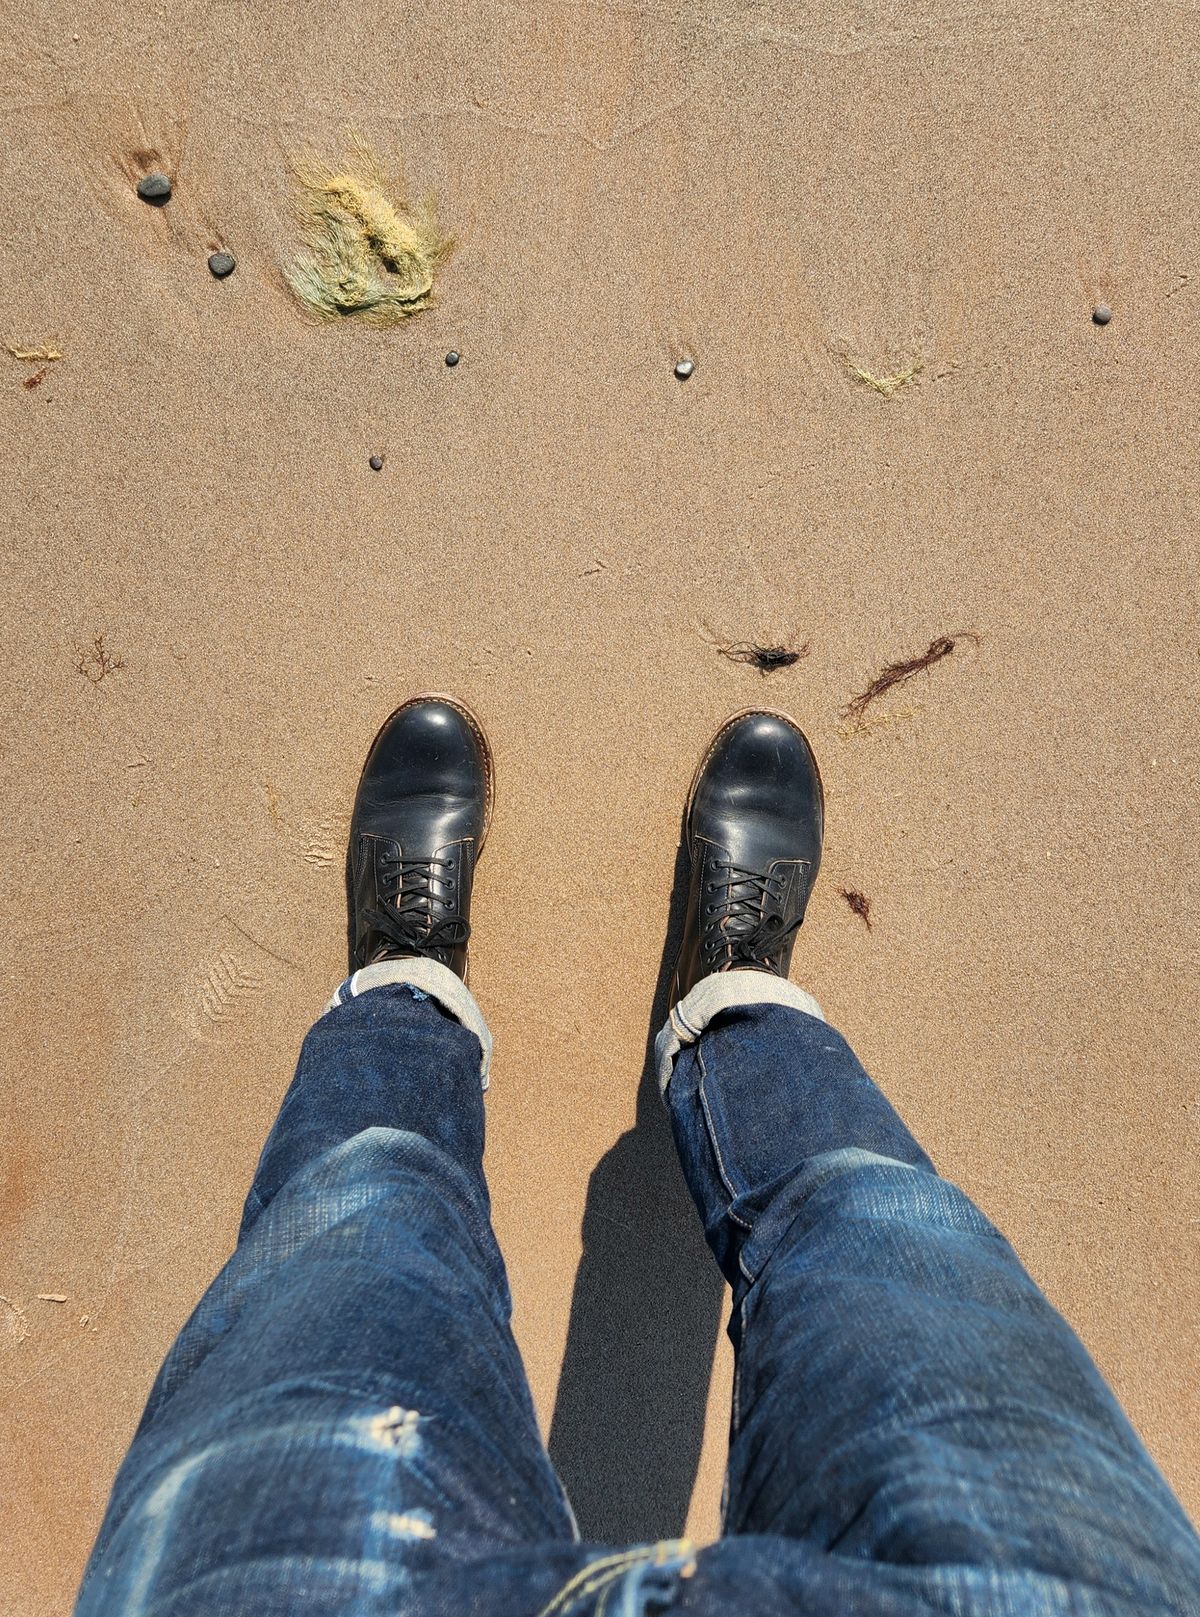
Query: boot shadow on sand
[[629, 1417]]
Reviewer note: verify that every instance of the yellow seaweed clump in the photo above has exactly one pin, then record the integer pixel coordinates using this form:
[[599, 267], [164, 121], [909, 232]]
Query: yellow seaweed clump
[[369, 252]]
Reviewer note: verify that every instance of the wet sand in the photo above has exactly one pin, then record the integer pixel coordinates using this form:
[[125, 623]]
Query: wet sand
[[563, 534]]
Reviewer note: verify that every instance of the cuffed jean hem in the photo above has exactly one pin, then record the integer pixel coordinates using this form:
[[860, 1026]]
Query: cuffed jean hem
[[431, 978], [714, 994]]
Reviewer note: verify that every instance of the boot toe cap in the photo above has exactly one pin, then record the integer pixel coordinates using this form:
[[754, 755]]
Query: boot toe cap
[[762, 766]]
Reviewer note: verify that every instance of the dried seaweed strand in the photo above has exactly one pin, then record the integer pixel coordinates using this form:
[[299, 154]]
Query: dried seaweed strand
[[898, 672]]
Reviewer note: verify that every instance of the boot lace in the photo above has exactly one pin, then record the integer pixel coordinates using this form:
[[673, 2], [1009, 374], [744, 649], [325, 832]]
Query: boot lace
[[408, 895], [740, 932]]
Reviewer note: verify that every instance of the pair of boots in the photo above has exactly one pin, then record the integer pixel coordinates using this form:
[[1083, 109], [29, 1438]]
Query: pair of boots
[[753, 826]]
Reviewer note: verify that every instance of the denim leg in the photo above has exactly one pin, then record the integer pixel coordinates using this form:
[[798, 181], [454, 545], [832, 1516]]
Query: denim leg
[[346, 1409], [904, 1393]]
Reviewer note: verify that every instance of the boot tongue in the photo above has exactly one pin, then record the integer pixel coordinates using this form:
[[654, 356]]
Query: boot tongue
[[753, 925], [407, 887], [410, 916]]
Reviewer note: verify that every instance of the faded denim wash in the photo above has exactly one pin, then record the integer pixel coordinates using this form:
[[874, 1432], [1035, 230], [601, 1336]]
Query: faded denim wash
[[344, 1425]]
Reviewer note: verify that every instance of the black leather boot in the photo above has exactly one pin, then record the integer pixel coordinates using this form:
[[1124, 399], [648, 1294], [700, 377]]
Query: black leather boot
[[753, 827], [422, 811]]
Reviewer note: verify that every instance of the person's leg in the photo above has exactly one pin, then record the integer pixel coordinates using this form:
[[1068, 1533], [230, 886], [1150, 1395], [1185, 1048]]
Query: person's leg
[[346, 1411], [904, 1393], [347, 1402]]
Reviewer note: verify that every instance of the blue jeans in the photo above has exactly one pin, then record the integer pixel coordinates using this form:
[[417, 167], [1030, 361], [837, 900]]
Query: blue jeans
[[344, 1423]]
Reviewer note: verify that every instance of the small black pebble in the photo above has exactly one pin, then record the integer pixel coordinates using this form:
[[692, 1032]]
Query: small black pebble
[[1101, 314], [684, 369], [222, 264], [376, 463], [155, 188], [452, 358]]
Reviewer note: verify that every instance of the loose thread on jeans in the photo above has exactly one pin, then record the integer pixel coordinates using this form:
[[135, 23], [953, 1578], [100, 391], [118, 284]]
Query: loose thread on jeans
[[601, 1576], [602, 1571]]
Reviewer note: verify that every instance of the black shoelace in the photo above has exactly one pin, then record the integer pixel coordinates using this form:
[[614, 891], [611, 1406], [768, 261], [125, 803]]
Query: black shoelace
[[743, 934], [409, 894]]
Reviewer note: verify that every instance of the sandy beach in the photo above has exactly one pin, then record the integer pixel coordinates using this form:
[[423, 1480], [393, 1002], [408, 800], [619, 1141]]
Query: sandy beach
[[213, 599]]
